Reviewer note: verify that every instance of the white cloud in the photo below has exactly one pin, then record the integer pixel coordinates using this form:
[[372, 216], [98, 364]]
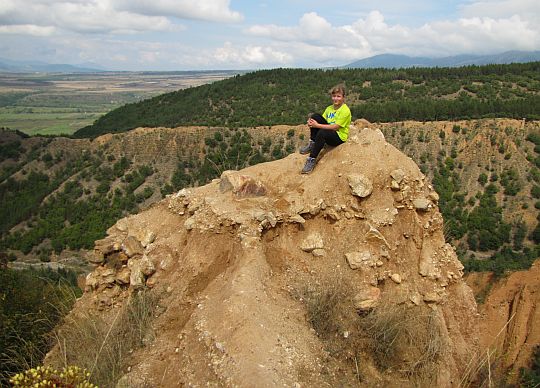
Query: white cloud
[[501, 9], [91, 30], [27, 29], [111, 16], [314, 39], [246, 56], [211, 10]]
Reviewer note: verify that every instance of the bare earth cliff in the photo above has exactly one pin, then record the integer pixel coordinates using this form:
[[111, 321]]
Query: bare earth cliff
[[235, 261]]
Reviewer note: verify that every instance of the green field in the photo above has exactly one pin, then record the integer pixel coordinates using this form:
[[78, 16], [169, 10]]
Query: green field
[[60, 104], [49, 121]]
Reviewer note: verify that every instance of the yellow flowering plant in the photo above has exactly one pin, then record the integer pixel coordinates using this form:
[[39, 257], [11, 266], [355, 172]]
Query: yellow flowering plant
[[48, 377]]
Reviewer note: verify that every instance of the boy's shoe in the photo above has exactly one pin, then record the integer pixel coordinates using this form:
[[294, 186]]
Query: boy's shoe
[[309, 166], [307, 148]]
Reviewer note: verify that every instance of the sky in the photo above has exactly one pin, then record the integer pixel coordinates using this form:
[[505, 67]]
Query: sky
[[259, 34]]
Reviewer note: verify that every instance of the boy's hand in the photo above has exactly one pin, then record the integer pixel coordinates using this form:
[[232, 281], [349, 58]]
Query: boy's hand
[[311, 123]]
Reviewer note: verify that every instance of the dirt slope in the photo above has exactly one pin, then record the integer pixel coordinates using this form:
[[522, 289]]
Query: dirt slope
[[509, 315], [233, 260]]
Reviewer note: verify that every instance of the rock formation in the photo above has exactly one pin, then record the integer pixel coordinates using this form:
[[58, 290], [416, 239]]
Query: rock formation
[[229, 259], [508, 315]]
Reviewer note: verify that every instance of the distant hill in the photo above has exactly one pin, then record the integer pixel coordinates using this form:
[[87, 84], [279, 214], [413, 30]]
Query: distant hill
[[11, 66], [286, 96], [400, 61]]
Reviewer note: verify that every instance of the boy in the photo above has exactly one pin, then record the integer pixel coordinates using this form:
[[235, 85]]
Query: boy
[[331, 128]]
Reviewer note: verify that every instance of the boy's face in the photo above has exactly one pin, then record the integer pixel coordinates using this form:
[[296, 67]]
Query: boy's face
[[338, 99]]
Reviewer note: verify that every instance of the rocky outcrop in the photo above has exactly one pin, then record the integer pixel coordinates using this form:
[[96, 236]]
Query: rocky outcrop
[[229, 256]]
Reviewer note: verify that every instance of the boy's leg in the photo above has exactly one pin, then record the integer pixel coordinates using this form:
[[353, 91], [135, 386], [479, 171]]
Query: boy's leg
[[321, 120], [313, 133], [323, 137]]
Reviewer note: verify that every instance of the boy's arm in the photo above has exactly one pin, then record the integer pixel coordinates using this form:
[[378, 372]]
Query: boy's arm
[[332, 127]]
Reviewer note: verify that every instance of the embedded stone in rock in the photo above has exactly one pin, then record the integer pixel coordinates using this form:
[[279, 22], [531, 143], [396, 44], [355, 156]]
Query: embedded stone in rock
[[396, 278], [189, 223], [367, 299], [266, 219], [318, 252], [312, 242], [431, 297], [136, 277], [416, 298], [146, 265], [106, 246], [91, 282], [434, 196], [333, 215], [107, 276], [298, 219], [123, 275], [132, 247], [361, 186], [96, 258], [374, 234], [358, 259], [182, 193], [241, 185], [397, 177], [423, 204], [148, 239]]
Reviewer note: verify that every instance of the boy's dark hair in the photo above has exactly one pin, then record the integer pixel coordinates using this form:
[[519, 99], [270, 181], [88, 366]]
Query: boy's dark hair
[[339, 88]]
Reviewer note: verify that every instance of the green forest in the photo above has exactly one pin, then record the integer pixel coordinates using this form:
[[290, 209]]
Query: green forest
[[286, 96]]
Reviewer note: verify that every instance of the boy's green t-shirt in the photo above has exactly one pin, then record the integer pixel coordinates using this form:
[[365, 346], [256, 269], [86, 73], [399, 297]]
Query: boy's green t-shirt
[[341, 117]]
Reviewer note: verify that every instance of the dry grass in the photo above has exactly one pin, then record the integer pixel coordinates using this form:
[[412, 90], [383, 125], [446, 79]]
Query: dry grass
[[101, 346], [26, 351], [485, 368], [325, 305], [405, 339]]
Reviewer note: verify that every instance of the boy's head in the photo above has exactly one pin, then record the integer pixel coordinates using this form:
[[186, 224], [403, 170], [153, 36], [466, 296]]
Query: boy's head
[[338, 89]]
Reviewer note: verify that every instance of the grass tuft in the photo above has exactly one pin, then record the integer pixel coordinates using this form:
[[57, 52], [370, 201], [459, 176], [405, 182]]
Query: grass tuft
[[406, 339], [102, 347]]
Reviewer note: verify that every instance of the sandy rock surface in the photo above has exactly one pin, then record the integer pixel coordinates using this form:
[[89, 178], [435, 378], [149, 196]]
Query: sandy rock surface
[[230, 258]]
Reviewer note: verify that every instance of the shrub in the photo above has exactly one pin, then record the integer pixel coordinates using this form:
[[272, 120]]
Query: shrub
[[531, 377], [323, 306], [102, 347], [31, 303], [408, 339], [482, 179], [45, 376]]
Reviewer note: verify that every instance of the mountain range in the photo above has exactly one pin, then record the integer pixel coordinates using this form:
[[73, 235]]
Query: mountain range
[[401, 61], [12, 66], [378, 61]]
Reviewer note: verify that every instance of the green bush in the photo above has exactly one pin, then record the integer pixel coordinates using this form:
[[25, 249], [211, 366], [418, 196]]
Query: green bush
[[530, 377]]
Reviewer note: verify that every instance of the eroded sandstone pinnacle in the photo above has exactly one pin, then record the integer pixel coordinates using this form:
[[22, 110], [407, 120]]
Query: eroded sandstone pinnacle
[[366, 210]]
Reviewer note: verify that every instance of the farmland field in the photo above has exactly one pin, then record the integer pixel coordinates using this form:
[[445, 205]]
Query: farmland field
[[54, 104]]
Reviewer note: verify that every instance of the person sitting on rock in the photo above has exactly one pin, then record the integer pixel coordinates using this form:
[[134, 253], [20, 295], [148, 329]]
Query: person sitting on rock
[[332, 127]]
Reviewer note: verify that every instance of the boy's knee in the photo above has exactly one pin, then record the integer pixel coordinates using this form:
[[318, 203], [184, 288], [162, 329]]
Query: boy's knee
[[318, 118]]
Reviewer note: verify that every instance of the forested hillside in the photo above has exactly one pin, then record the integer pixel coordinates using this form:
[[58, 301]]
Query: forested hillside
[[64, 193], [286, 96]]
